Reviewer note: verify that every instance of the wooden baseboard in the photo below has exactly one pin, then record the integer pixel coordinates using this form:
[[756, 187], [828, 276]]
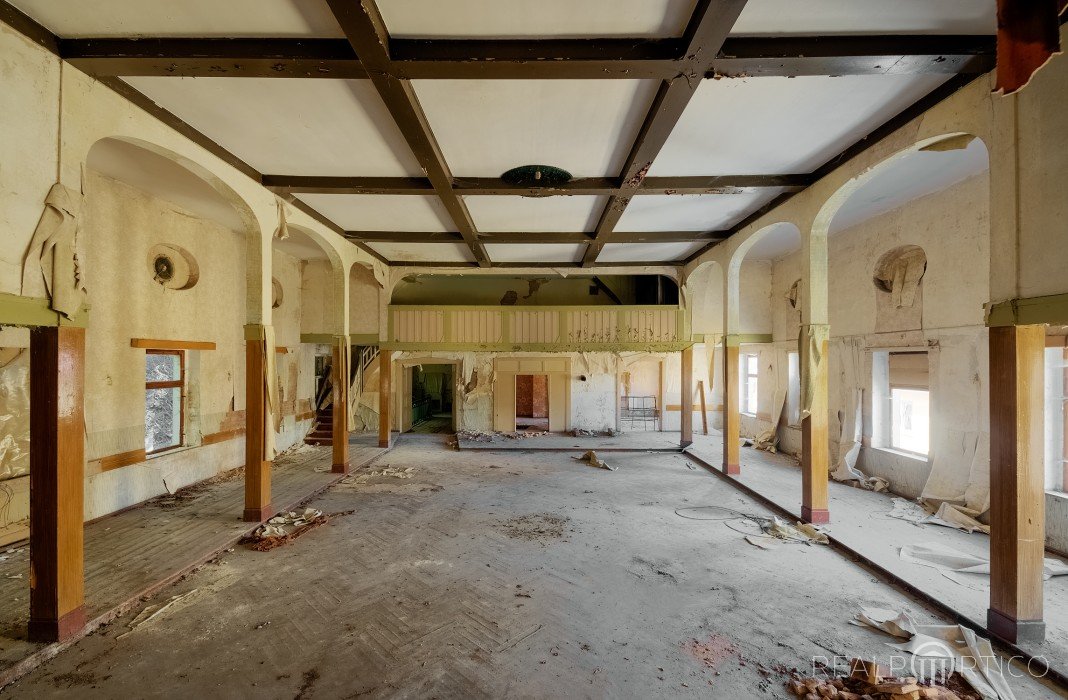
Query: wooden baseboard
[[222, 436], [122, 459]]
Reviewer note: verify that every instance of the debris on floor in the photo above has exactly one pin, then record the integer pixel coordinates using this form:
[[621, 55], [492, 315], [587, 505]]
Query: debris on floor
[[800, 532], [537, 527], [152, 611], [942, 651], [474, 436], [283, 529], [765, 532], [590, 457], [952, 562], [768, 441], [868, 681], [583, 432], [525, 434], [947, 515], [712, 652]]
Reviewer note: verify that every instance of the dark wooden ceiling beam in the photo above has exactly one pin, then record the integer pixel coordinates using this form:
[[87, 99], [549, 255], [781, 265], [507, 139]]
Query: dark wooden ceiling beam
[[853, 55], [418, 59], [528, 237], [709, 26], [366, 31], [489, 186]]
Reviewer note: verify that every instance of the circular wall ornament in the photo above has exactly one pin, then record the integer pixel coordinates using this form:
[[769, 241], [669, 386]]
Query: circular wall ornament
[[173, 267]]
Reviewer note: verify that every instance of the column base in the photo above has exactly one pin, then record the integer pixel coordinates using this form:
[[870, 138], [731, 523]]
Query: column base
[[41, 630], [815, 516], [685, 443], [258, 515], [1015, 631], [340, 468], [385, 442], [732, 469]]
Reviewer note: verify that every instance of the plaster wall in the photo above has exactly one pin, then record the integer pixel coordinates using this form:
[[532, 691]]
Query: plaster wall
[[121, 224], [295, 368], [318, 306], [951, 226], [594, 384], [365, 299], [29, 146]]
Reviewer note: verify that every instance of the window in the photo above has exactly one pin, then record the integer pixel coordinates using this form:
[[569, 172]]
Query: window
[[164, 401], [749, 369], [793, 389], [1056, 415], [902, 410]]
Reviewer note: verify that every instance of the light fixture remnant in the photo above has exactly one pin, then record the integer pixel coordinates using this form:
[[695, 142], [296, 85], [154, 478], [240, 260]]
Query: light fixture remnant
[[536, 176]]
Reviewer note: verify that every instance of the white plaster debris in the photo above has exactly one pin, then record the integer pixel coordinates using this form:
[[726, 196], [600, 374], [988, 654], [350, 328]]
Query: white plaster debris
[[971, 654], [947, 515], [591, 458], [153, 611], [286, 523], [953, 563]]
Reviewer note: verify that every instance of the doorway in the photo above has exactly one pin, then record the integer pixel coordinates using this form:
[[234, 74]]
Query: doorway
[[531, 402], [431, 399]]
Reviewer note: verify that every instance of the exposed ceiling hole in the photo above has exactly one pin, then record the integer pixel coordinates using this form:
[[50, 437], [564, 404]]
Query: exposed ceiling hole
[[173, 267], [536, 176]]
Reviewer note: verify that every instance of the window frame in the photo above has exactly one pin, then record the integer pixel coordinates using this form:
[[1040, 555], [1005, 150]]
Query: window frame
[[743, 400], [890, 418], [171, 384]]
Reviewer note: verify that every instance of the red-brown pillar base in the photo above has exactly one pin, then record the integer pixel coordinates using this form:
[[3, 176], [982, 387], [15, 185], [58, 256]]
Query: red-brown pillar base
[[340, 427], [66, 627], [686, 396], [385, 421], [732, 469], [817, 516], [1015, 631], [257, 467], [260, 514]]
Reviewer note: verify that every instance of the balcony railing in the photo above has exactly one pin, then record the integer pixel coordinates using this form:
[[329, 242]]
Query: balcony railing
[[537, 328]]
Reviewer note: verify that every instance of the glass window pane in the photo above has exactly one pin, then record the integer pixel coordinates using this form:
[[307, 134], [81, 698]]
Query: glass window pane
[[162, 368], [163, 418], [910, 421], [751, 396]]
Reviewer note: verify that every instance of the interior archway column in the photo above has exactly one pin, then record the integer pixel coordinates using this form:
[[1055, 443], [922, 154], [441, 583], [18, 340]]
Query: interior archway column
[[341, 359], [259, 383], [732, 417], [812, 353]]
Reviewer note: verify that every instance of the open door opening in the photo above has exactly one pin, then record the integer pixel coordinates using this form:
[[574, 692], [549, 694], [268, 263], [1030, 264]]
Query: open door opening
[[532, 402], [432, 399]]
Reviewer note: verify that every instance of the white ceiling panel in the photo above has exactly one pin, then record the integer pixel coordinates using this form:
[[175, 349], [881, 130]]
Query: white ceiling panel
[[692, 212], [486, 127], [423, 252], [510, 19], [381, 212], [647, 252], [764, 17], [203, 18], [778, 125], [290, 126], [536, 252], [508, 213]]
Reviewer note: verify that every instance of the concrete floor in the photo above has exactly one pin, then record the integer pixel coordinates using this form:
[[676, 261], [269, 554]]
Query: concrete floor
[[497, 574]]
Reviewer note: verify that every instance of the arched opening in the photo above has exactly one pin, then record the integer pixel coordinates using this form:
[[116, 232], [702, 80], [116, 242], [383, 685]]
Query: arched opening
[[913, 347]]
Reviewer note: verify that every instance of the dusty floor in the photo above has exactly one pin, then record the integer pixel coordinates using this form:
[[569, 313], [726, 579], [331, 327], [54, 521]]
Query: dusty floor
[[491, 575]]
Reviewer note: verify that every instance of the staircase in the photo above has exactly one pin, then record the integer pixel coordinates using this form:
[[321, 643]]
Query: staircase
[[322, 431]]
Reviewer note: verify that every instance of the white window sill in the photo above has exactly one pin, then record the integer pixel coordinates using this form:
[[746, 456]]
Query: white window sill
[[173, 450], [747, 415], [1061, 495], [902, 453]]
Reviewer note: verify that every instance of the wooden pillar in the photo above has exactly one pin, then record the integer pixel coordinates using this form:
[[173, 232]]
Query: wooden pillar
[[257, 467], [340, 400], [815, 468], [732, 418], [1017, 472], [57, 483], [686, 397], [385, 369]]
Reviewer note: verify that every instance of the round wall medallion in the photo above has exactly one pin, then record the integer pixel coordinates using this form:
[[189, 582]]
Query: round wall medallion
[[173, 267]]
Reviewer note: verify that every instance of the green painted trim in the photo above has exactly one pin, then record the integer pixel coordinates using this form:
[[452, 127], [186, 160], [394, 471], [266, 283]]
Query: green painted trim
[[318, 338], [360, 338], [537, 347], [1052, 309], [27, 312], [750, 338], [513, 309]]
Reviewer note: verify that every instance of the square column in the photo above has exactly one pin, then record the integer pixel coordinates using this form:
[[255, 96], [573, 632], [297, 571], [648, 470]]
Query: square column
[[815, 468], [1017, 499], [385, 370], [57, 483], [732, 418], [340, 400], [686, 397], [257, 467]]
